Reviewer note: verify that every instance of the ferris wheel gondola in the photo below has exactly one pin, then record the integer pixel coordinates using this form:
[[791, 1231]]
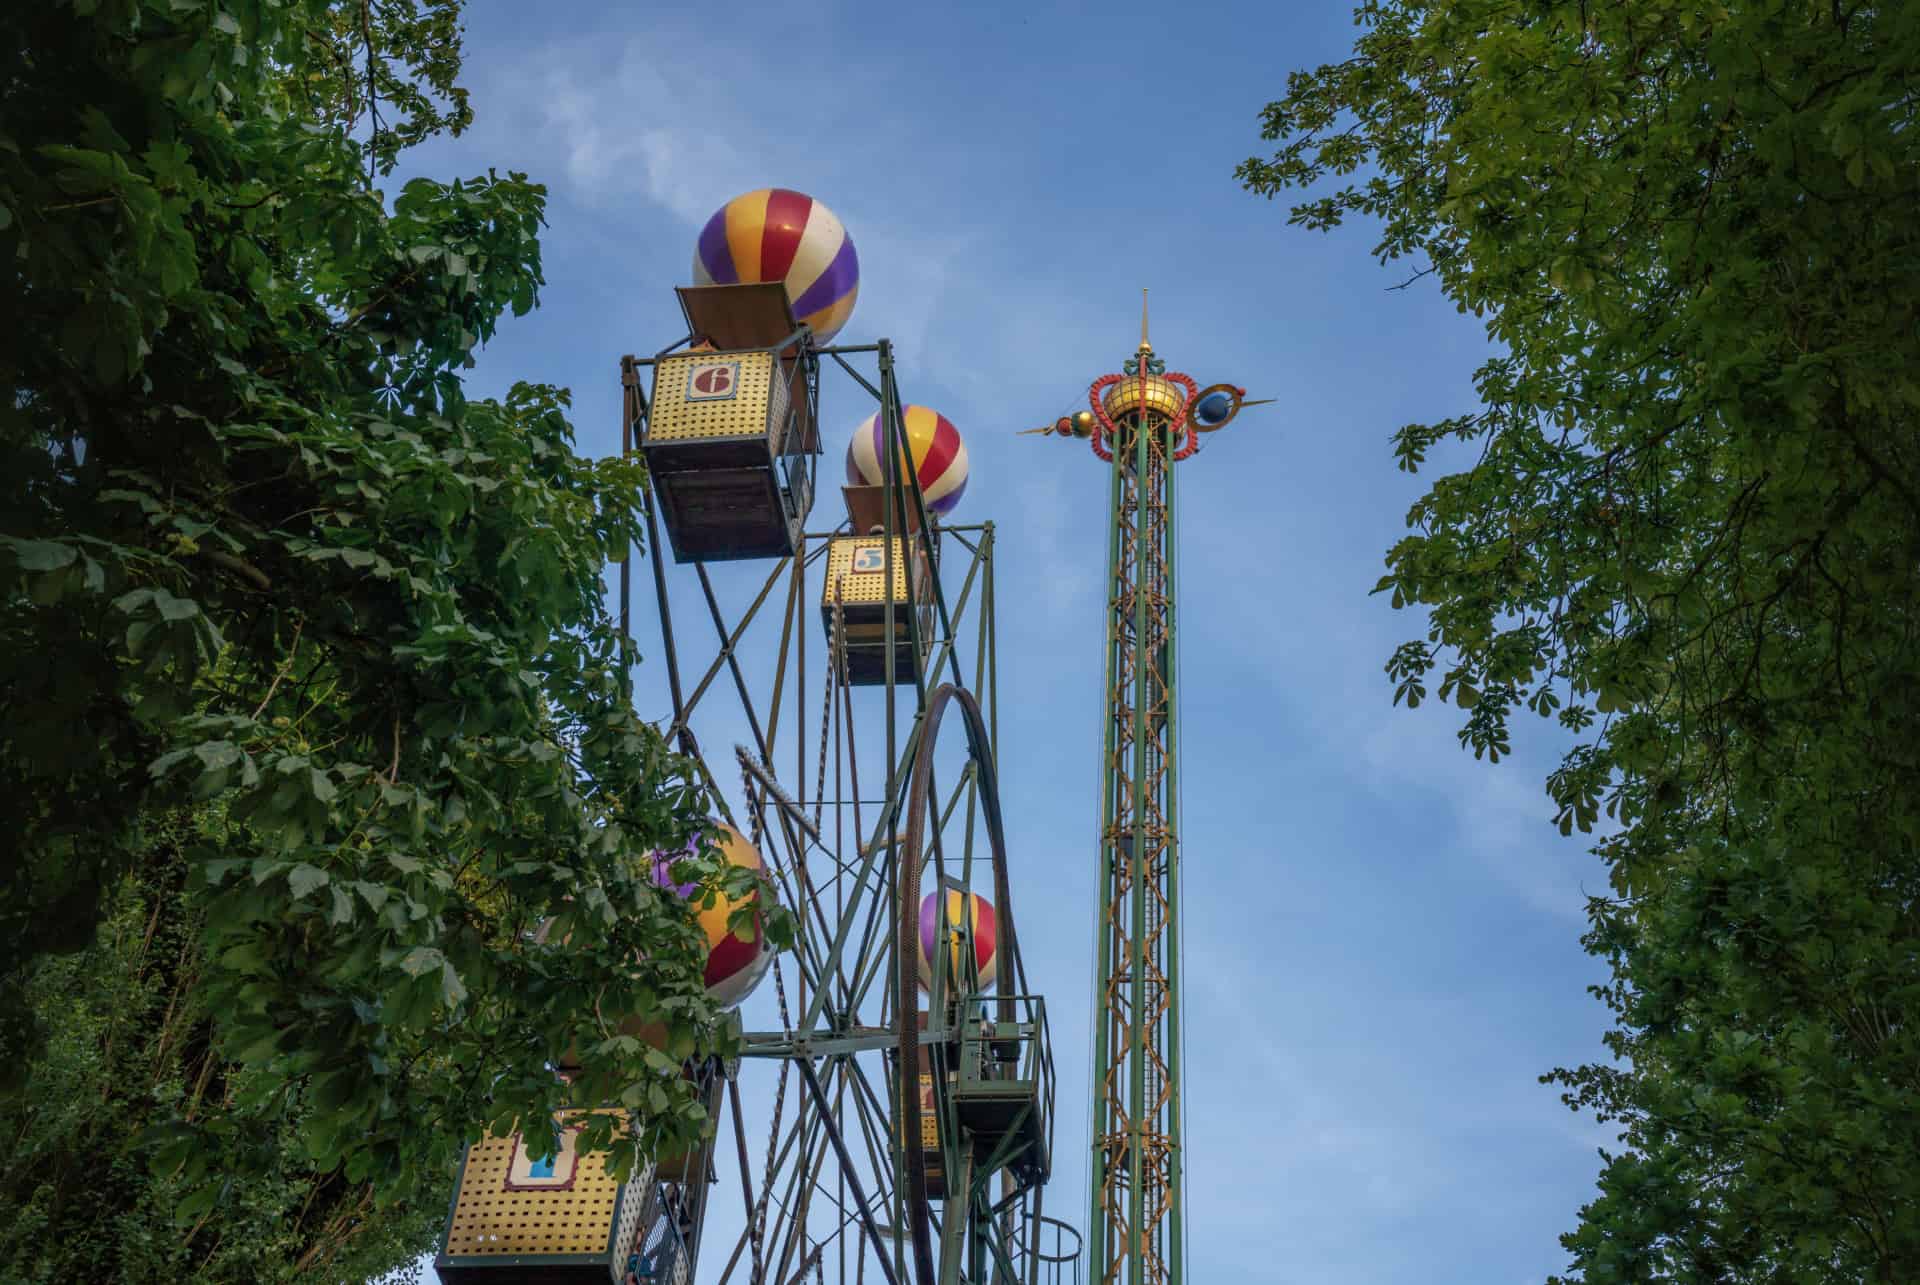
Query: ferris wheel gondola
[[890, 1112]]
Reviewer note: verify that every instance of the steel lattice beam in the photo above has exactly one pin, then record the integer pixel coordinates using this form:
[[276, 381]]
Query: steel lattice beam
[[1136, 1212]]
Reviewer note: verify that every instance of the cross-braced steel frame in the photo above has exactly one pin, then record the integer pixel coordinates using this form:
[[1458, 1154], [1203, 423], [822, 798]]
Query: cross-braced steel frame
[[839, 1191], [1136, 1219]]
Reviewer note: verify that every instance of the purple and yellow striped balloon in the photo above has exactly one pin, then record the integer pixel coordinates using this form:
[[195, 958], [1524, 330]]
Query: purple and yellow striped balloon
[[939, 456], [976, 914], [780, 235]]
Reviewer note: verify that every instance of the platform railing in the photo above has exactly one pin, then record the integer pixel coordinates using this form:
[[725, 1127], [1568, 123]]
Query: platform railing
[[1004, 1038], [1046, 1251]]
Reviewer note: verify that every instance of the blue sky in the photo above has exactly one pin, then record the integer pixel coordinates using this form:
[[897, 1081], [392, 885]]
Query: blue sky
[[1382, 933]]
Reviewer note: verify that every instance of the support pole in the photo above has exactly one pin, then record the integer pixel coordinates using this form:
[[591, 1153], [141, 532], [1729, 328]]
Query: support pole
[[846, 1166], [746, 1177], [1135, 1208]]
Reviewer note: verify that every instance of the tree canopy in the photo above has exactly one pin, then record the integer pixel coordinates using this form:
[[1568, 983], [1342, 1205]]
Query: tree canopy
[[130, 1043], [1692, 534], [262, 560]]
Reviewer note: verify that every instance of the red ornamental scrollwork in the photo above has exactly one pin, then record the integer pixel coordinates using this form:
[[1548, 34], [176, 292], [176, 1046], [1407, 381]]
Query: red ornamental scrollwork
[[1100, 420], [1192, 443], [1103, 424]]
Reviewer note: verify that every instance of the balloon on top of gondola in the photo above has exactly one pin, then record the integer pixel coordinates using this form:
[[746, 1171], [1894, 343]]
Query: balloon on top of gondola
[[776, 234], [973, 915], [736, 963], [939, 456]]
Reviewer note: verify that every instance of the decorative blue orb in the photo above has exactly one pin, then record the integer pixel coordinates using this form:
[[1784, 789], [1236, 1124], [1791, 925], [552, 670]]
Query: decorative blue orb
[[1214, 408]]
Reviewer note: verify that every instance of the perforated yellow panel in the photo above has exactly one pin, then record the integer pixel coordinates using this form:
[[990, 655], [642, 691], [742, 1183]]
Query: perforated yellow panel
[[857, 565], [929, 1117], [490, 1220], [633, 1204], [755, 401]]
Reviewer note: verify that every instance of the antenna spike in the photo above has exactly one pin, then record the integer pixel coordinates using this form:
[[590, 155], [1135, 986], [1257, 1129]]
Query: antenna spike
[[1143, 319]]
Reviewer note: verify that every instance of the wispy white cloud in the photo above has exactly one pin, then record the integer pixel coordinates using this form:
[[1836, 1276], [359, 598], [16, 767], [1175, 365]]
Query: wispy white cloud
[[1501, 811], [623, 122], [628, 126]]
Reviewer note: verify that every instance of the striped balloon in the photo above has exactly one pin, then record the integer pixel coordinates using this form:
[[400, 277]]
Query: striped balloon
[[778, 235], [736, 963], [939, 456], [973, 915]]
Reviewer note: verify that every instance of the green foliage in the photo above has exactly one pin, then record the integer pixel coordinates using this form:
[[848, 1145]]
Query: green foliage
[[1693, 533], [131, 1045], [260, 555]]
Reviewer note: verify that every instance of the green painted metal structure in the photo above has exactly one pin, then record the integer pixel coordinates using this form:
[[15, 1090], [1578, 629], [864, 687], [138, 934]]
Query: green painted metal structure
[[1136, 1218], [847, 1190]]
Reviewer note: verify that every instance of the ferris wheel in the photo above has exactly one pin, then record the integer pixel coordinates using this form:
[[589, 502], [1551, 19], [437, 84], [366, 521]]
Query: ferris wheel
[[890, 1117]]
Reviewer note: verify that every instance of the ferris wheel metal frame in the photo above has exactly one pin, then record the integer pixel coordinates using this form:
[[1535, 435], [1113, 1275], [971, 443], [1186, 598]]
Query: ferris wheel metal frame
[[843, 1179]]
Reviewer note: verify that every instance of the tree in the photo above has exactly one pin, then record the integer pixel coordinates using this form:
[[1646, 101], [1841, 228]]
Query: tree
[[1691, 533], [130, 1043], [261, 557]]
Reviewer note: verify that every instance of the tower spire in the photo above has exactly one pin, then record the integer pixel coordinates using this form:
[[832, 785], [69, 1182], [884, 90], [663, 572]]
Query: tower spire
[[1142, 423], [1136, 1218]]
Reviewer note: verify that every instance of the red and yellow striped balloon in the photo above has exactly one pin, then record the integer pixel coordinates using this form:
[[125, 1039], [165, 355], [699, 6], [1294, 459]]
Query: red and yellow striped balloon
[[939, 456], [735, 962], [780, 235]]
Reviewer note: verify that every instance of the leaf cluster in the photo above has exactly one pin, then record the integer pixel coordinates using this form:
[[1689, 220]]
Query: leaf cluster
[[1690, 532], [261, 556], [131, 1047]]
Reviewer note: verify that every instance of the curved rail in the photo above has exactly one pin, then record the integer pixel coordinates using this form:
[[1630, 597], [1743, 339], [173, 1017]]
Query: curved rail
[[907, 947], [1062, 1252]]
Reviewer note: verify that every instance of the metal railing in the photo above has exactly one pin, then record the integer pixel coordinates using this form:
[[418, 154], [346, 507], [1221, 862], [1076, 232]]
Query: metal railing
[[1004, 1038], [1046, 1251], [663, 1257]]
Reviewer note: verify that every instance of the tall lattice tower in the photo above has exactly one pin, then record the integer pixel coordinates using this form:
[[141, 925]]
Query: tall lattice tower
[[1140, 423]]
